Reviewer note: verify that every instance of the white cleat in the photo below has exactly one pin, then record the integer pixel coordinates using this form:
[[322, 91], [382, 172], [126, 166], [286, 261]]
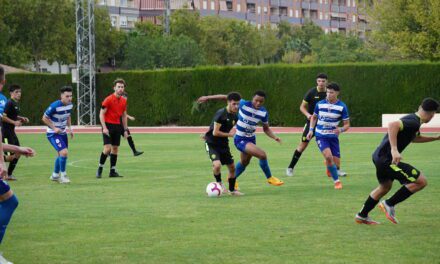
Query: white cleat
[[3, 260], [224, 190], [64, 179], [342, 173], [55, 177], [235, 193], [289, 172]]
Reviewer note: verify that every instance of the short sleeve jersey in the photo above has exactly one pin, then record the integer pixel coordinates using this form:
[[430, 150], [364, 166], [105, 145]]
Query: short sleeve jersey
[[3, 101], [312, 97], [12, 111], [249, 117], [409, 129], [58, 113], [227, 122], [329, 116], [115, 106]]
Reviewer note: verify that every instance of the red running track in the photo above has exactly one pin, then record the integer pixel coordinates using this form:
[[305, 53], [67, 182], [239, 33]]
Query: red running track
[[198, 130]]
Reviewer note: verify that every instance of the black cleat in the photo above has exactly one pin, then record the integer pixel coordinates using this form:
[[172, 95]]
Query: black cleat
[[99, 173], [114, 174], [138, 153]]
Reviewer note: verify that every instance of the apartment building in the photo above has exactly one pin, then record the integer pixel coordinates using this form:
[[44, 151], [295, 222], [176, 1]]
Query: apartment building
[[331, 15]]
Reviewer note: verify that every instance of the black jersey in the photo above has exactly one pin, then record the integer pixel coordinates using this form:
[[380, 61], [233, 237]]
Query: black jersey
[[12, 111], [312, 97], [409, 129], [227, 121]]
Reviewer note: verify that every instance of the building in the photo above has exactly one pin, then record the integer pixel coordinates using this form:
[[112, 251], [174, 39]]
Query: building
[[331, 15]]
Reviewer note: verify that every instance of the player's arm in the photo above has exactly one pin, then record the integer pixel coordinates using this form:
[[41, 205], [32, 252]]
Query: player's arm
[[23, 119], [303, 109], [425, 139], [393, 130], [102, 120], [130, 117], [268, 131], [6, 119], [344, 128], [25, 151], [46, 120], [3, 170], [69, 125], [217, 133], [124, 123], [206, 98], [313, 121]]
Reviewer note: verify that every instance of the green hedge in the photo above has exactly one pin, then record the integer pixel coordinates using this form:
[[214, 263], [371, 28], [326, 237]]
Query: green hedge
[[166, 97]]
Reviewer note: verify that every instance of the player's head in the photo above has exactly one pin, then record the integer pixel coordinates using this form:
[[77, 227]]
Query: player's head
[[233, 99], [258, 99], [15, 91], [66, 94], [321, 80], [428, 108], [2, 78], [332, 91], [119, 86]]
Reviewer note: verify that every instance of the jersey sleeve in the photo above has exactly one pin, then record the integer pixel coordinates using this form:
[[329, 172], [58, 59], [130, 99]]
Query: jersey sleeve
[[3, 102], [218, 118], [316, 110], [308, 97], [50, 111], [408, 123], [265, 119], [345, 115], [242, 102], [8, 108], [105, 103]]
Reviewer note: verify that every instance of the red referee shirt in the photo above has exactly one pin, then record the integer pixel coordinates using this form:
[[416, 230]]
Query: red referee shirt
[[115, 108]]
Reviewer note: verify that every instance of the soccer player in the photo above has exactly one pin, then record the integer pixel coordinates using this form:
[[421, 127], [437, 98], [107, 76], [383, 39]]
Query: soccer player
[[307, 107], [129, 137], [249, 115], [113, 112], [217, 143], [11, 118], [326, 117], [57, 117], [387, 158], [8, 200]]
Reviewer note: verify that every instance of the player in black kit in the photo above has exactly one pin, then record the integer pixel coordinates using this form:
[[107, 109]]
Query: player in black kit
[[387, 158], [11, 118], [217, 143]]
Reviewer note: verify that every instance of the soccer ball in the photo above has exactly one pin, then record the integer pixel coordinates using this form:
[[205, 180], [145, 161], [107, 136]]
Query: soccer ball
[[214, 189]]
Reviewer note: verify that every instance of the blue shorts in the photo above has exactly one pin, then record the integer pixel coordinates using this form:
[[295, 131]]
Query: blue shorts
[[59, 142], [241, 142], [331, 143], [4, 187]]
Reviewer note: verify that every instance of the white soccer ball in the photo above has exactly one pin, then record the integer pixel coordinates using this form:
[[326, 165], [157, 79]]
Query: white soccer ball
[[214, 189]]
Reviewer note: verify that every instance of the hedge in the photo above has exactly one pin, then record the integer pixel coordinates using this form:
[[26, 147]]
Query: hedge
[[165, 97]]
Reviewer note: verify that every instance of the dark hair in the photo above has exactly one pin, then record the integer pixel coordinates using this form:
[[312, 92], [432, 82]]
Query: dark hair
[[322, 76], [14, 87], [234, 96], [333, 86], [430, 104], [2, 74], [119, 80], [260, 93], [66, 89]]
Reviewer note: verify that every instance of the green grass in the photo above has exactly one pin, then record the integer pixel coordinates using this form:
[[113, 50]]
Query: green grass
[[159, 213]]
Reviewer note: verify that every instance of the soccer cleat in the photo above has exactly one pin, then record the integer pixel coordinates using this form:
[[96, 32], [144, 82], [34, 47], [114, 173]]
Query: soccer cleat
[[338, 185], [64, 179], [99, 173], [224, 190], [236, 188], [3, 260], [235, 193], [114, 174], [342, 173], [365, 220], [274, 181], [11, 178], [289, 172], [137, 153], [55, 177], [328, 173], [389, 211]]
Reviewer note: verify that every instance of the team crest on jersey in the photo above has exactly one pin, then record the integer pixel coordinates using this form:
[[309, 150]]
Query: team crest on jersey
[[414, 172], [233, 122], [213, 156]]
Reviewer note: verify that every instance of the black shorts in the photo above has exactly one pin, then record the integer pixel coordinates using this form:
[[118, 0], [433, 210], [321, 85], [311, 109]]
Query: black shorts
[[223, 154], [404, 173], [115, 135], [305, 132], [11, 139]]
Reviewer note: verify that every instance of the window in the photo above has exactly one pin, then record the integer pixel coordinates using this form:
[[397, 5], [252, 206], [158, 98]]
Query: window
[[123, 21], [258, 10], [123, 3], [229, 6], [296, 13], [113, 20], [205, 5], [238, 7], [354, 18], [291, 13], [283, 10], [251, 8], [212, 5], [265, 10], [348, 3], [321, 16]]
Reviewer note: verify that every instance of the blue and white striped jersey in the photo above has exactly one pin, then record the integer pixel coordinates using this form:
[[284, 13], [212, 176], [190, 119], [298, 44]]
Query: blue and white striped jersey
[[249, 117], [3, 101], [329, 116], [58, 113]]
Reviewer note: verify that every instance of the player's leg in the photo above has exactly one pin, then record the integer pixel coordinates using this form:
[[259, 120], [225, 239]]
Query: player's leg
[[63, 163], [412, 181], [104, 154], [331, 166], [13, 163], [132, 146], [298, 151], [240, 167], [8, 204], [115, 136], [253, 150], [214, 156], [56, 144]]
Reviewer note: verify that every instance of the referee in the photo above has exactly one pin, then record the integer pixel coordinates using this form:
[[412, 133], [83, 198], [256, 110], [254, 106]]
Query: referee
[[113, 112]]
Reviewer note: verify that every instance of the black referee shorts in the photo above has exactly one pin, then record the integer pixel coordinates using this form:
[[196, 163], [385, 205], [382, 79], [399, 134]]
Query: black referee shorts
[[115, 135]]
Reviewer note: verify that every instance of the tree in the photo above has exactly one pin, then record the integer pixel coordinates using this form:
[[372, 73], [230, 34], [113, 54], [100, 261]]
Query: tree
[[406, 29]]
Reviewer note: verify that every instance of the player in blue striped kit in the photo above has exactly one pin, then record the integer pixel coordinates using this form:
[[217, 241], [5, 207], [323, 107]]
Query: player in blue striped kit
[[249, 115], [326, 117], [57, 117]]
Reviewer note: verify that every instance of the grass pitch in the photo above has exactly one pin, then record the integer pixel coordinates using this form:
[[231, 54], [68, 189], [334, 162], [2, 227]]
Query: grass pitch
[[159, 213]]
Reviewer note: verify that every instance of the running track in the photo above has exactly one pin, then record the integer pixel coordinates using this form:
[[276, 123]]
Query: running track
[[198, 130]]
